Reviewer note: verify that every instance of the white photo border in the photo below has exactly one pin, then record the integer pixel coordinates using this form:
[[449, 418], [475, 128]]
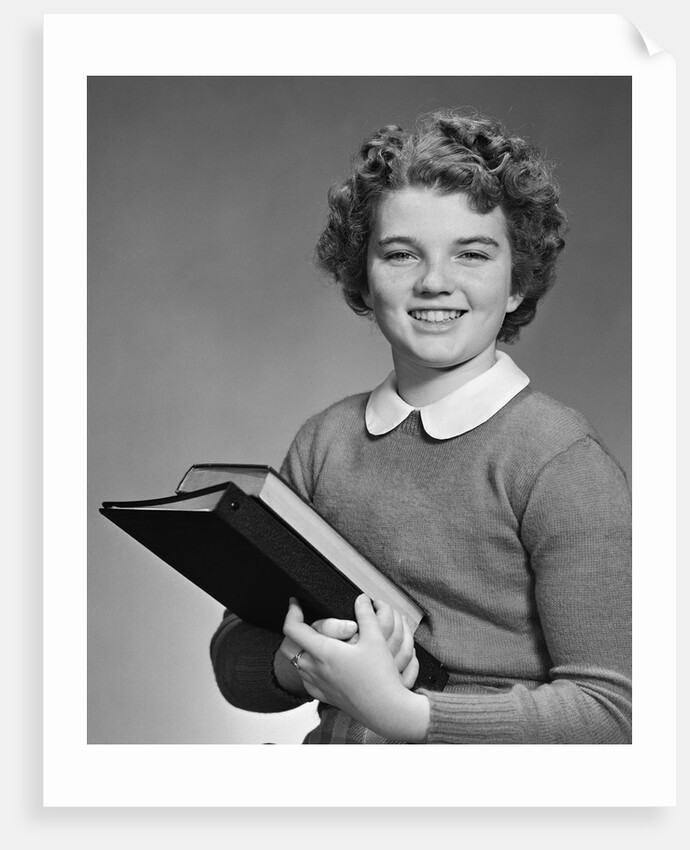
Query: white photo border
[[78, 774]]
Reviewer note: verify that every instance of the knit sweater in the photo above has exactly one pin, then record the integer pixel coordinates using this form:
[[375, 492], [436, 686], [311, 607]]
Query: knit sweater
[[513, 537]]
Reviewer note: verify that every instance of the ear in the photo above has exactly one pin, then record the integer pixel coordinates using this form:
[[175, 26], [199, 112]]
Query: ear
[[514, 302], [368, 300]]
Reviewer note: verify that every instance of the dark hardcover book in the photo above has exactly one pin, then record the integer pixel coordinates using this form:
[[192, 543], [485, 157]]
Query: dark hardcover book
[[251, 542]]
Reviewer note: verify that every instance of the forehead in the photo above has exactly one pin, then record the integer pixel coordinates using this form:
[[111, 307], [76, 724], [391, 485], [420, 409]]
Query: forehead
[[423, 212]]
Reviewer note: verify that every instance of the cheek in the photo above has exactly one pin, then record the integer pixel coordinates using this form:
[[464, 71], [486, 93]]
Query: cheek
[[388, 317], [491, 296], [384, 296], [383, 316]]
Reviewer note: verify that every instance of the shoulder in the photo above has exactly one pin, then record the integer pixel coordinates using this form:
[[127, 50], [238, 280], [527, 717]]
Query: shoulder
[[535, 420], [344, 415], [536, 416], [333, 429], [535, 431], [338, 423]]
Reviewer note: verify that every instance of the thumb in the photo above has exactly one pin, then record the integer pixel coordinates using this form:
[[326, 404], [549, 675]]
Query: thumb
[[294, 613]]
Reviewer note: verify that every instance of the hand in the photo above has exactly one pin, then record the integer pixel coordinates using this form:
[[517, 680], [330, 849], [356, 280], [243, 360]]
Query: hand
[[396, 629], [283, 668], [360, 677]]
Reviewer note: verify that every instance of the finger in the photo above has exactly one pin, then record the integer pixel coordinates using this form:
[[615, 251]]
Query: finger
[[386, 617], [297, 630], [410, 673], [390, 623], [289, 648], [396, 638], [366, 619], [405, 651], [294, 612], [333, 628]]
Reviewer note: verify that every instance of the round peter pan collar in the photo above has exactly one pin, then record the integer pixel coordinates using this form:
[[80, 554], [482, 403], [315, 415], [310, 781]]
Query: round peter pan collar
[[454, 414]]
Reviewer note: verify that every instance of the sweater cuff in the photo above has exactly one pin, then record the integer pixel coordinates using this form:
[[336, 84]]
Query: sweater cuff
[[465, 718], [242, 658]]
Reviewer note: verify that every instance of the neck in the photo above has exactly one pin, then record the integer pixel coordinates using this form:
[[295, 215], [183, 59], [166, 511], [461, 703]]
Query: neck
[[422, 385]]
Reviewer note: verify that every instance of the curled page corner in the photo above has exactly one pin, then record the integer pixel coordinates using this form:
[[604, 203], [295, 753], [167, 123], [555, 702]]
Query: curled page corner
[[644, 42]]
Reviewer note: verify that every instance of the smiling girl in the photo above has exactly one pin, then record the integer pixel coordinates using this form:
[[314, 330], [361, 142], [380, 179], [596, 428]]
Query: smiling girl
[[497, 508]]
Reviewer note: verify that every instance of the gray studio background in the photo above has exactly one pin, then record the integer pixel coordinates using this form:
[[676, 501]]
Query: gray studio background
[[211, 337]]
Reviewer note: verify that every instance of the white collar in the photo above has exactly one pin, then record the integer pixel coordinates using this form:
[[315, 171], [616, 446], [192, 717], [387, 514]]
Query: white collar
[[454, 414]]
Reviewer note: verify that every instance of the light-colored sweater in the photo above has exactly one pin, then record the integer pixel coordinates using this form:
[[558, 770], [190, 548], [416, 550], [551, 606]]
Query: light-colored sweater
[[514, 537]]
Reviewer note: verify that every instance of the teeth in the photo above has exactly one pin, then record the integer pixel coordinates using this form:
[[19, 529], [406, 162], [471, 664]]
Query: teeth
[[436, 315]]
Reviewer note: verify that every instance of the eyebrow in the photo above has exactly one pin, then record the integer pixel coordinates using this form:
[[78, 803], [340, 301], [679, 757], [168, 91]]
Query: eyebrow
[[461, 241]]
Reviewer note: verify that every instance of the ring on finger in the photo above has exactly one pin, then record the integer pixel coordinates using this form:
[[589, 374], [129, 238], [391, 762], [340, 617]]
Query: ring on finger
[[295, 659]]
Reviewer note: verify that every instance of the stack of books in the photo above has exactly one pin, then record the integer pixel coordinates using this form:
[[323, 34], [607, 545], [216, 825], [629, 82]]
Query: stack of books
[[246, 538]]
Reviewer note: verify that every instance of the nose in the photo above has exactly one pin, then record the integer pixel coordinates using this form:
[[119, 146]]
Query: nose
[[435, 279]]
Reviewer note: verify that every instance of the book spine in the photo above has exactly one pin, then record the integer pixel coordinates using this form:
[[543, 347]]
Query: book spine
[[321, 588]]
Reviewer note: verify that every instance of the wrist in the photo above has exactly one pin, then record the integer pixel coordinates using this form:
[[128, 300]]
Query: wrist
[[407, 719], [417, 718]]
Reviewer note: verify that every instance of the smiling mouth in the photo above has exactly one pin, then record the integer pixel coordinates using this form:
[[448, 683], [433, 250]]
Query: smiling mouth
[[436, 316]]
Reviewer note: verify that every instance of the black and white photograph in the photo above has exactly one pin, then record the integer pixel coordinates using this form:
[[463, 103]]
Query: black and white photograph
[[411, 298]]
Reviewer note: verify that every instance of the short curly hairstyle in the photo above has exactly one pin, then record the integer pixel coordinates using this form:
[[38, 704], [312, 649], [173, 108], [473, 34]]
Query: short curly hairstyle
[[450, 151]]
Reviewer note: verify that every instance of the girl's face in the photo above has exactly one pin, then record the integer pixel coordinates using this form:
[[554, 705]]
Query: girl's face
[[439, 276]]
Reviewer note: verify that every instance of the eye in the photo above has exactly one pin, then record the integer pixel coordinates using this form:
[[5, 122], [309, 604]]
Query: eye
[[399, 256], [473, 256]]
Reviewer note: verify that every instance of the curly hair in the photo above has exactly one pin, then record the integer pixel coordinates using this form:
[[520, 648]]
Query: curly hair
[[449, 151]]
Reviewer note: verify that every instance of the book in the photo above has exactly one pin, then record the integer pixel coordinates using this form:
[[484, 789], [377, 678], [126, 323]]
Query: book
[[244, 536]]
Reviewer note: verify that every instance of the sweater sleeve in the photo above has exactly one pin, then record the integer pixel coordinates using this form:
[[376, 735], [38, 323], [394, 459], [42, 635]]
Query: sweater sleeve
[[576, 530], [241, 654], [242, 658]]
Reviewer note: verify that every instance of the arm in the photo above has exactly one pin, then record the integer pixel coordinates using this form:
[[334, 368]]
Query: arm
[[576, 528], [242, 657]]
